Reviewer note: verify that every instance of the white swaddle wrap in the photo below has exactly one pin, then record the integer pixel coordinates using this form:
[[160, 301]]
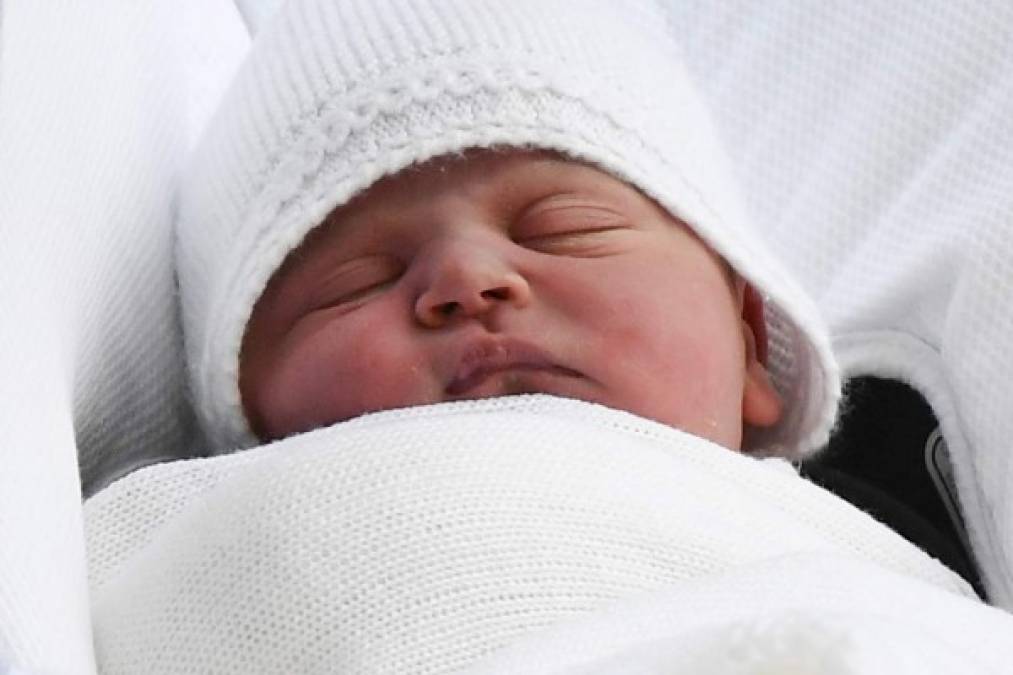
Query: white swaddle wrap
[[804, 613], [423, 539]]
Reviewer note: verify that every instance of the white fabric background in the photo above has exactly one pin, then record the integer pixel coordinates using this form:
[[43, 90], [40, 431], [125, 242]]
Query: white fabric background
[[873, 140], [98, 102], [875, 144]]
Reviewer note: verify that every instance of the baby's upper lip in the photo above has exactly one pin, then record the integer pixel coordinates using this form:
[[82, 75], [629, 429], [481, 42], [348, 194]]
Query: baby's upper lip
[[488, 356]]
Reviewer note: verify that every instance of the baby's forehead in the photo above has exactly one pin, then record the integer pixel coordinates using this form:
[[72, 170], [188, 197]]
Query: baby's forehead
[[498, 169], [496, 184], [495, 187], [499, 179]]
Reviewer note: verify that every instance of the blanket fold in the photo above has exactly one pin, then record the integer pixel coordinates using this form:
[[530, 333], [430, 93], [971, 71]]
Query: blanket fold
[[422, 540]]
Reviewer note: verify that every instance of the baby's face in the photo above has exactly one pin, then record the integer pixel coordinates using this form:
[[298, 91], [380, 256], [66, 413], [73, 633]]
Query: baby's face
[[504, 273]]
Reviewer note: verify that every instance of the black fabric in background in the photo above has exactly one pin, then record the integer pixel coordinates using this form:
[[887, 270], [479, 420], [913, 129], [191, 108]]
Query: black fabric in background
[[876, 460]]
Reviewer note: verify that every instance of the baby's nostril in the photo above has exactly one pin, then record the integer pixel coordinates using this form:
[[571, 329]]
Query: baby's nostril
[[496, 294], [448, 308]]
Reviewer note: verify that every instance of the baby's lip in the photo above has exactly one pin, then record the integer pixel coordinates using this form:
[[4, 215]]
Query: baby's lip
[[484, 358]]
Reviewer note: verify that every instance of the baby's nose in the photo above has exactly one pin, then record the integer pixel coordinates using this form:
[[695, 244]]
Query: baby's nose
[[468, 282]]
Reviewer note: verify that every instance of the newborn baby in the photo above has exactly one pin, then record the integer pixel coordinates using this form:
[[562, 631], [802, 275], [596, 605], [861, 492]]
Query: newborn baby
[[506, 272], [413, 202], [431, 202]]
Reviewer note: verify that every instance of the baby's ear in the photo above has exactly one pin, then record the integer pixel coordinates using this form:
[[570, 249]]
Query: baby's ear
[[761, 404]]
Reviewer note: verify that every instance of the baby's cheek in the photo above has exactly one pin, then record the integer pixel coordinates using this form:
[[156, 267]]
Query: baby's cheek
[[310, 384], [302, 396], [382, 367], [376, 374]]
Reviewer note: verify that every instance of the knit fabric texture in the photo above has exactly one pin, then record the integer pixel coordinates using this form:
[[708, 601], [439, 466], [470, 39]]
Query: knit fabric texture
[[338, 93], [800, 613], [876, 147], [96, 106], [422, 539]]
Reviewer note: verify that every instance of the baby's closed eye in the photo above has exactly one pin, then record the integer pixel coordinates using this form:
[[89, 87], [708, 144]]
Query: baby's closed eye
[[352, 282], [570, 228]]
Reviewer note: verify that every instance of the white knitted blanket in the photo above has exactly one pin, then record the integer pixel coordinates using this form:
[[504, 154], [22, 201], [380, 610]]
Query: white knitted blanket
[[420, 540], [799, 614]]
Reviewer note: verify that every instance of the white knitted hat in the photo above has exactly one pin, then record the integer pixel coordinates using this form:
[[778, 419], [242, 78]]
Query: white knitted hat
[[338, 93]]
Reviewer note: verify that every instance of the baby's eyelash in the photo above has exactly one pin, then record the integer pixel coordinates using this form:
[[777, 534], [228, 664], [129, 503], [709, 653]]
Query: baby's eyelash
[[583, 242], [351, 283], [568, 220], [361, 292], [587, 229]]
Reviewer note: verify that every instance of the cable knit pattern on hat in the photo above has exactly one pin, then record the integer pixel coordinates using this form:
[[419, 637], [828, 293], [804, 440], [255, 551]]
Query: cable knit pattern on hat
[[338, 93]]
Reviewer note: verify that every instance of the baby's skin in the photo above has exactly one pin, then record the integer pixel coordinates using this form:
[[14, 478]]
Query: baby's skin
[[492, 273]]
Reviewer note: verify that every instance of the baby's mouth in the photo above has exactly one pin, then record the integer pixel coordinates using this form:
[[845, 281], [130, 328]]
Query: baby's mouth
[[523, 364]]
